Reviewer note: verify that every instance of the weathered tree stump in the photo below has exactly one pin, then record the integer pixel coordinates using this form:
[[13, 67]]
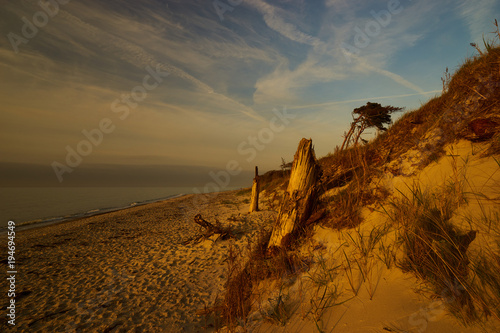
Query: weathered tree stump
[[300, 196], [254, 204]]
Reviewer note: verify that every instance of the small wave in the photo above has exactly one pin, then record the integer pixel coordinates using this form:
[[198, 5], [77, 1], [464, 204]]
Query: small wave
[[87, 213]]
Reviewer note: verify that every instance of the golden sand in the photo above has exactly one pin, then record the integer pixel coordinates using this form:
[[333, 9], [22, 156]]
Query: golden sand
[[128, 271]]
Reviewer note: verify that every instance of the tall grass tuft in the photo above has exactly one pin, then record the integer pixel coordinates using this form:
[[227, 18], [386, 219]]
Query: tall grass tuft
[[436, 251], [242, 277], [353, 169]]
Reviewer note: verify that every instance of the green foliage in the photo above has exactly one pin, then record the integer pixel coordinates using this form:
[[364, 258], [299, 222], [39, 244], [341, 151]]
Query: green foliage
[[369, 115], [375, 115]]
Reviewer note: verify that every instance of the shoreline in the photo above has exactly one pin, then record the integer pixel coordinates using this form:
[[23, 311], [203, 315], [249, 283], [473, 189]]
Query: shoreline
[[41, 223], [129, 269], [35, 224]]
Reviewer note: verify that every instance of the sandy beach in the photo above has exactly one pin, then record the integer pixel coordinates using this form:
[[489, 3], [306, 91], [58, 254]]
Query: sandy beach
[[139, 269], [353, 148], [128, 271]]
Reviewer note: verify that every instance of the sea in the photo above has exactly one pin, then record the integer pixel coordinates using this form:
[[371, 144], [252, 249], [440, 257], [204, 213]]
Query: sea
[[30, 207]]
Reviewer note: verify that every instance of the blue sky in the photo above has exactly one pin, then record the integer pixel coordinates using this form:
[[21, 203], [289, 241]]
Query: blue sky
[[224, 67]]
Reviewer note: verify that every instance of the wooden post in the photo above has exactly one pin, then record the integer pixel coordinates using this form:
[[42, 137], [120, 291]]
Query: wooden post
[[300, 195], [254, 204]]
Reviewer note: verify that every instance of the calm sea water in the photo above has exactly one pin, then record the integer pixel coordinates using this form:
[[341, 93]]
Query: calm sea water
[[25, 205]]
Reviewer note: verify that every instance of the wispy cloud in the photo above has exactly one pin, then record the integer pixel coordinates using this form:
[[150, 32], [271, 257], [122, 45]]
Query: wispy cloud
[[136, 55], [325, 61], [479, 16], [393, 76], [309, 106], [278, 24], [225, 77]]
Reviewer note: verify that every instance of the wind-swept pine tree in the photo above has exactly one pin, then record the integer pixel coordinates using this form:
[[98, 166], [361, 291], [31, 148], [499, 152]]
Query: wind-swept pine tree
[[369, 115]]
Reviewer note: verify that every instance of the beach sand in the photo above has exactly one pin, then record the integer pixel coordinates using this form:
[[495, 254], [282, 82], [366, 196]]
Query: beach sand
[[346, 291], [128, 271], [131, 270]]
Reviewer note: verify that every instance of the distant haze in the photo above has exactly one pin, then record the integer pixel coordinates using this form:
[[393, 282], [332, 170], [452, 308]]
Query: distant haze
[[24, 175]]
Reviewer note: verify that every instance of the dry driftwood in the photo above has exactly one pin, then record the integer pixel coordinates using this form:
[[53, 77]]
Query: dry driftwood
[[204, 224], [210, 230], [254, 204], [300, 196]]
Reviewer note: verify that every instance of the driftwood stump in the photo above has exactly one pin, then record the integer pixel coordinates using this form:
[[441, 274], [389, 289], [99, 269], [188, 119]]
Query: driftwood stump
[[300, 196], [210, 230], [254, 204], [198, 219]]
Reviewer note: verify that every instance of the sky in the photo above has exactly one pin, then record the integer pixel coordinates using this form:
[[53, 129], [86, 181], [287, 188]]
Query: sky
[[94, 91]]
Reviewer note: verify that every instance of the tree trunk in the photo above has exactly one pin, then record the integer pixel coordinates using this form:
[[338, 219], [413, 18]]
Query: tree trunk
[[360, 131], [300, 195], [347, 137], [254, 204], [349, 134]]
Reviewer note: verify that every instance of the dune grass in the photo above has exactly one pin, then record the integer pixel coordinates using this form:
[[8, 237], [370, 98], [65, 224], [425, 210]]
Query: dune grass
[[243, 276], [437, 252], [433, 247]]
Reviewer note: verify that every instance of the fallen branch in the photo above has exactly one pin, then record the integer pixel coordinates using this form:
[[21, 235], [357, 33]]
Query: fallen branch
[[204, 224], [210, 230]]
